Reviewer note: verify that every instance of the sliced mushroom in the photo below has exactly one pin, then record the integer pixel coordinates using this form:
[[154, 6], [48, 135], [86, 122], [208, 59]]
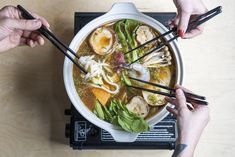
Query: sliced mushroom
[[138, 106], [154, 99], [102, 40], [158, 59], [144, 34]]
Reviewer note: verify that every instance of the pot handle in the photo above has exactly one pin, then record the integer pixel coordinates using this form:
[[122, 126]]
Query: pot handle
[[123, 136], [123, 8]]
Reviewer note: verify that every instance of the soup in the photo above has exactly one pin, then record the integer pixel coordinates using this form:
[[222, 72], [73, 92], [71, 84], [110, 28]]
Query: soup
[[104, 89]]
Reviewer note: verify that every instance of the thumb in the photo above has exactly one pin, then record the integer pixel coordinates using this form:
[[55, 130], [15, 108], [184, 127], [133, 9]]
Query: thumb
[[180, 98], [29, 25], [183, 23]]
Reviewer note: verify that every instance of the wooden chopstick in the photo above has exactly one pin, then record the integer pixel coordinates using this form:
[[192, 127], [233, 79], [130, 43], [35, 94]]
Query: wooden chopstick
[[170, 89], [192, 25], [172, 95], [54, 40]]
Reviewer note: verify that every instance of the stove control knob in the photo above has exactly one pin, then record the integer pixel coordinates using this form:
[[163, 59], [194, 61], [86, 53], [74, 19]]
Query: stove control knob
[[67, 112], [67, 130], [93, 131]]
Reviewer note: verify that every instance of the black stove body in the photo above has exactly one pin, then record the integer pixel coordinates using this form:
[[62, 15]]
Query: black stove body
[[85, 135]]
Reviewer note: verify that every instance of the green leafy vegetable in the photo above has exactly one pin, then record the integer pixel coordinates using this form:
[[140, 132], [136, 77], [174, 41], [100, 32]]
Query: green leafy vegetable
[[119, 115], [99, 111], [130, 28], [121, 36], [126, 32], [125, 78]]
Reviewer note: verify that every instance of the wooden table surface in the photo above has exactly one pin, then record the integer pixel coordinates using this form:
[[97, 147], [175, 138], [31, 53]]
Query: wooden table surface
[[33, 97]]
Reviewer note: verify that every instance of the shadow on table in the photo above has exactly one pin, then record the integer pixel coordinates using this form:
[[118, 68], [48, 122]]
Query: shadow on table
[[44, 89], [59, 120]]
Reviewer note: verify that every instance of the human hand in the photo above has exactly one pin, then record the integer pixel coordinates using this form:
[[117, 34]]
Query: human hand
[[16, 31], [187, 9], [191, 123]]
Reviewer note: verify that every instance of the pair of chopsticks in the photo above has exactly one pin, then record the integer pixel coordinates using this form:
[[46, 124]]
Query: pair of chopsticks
[[192, 25], [190, 97], [54, 40]]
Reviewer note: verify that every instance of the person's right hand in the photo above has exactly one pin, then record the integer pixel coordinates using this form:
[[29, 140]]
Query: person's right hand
[[187, 9], [191, 123]]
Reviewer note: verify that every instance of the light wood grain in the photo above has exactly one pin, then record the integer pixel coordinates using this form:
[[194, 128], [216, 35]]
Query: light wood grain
[[33, 98]]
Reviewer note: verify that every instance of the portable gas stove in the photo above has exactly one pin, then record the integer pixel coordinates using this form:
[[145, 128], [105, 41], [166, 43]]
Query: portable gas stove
[[85, 135]]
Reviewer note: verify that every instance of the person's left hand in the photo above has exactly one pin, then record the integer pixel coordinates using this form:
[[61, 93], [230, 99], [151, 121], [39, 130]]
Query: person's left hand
[[16, 31], [187, 10]]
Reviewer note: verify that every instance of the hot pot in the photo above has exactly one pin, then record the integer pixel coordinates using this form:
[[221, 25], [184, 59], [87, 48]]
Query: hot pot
[[117, 12]]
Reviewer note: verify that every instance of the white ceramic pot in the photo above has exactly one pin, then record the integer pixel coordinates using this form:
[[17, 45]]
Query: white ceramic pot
[[117, 12]]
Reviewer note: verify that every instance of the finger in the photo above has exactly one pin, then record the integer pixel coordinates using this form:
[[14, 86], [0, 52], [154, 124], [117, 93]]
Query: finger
[[183, 88], [23, 41], [194, 105], [26, 34], [172, 110], [180, 98], [171, 100], [31, 43], [36, 36], [9, 9], [44, 21], [40, 40], [174, 21], [30, 34], [183, 23], [23, 24], [171, 26], [192, 33]]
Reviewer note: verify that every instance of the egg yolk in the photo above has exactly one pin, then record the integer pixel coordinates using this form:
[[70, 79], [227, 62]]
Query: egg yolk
[[104, 41]]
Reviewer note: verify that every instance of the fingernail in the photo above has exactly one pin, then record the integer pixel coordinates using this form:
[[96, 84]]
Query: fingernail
[[36, 22], [177, 86], [181, 33], [179, 92]]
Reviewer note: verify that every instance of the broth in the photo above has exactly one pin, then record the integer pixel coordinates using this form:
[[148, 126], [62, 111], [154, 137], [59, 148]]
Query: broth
[[125, 94]]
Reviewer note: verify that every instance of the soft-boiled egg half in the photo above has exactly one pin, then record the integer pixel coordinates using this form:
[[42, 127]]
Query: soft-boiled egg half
[[102, 40]]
